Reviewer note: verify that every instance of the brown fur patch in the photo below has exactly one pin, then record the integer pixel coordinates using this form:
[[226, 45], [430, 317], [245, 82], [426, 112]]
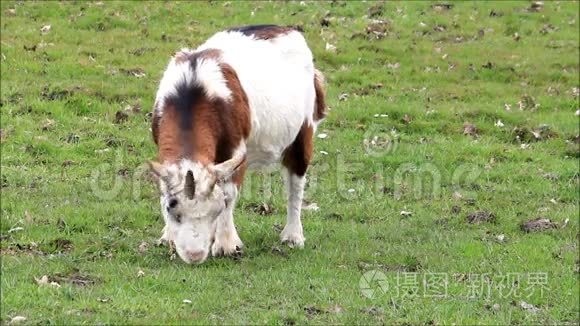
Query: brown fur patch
[[298, 155], [320, 102], [264, 32], [214, 128]]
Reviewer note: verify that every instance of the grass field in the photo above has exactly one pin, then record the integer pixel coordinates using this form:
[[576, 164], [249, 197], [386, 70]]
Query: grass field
[[450, 127]]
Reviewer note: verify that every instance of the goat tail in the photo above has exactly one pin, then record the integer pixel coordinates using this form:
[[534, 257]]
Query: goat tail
[[320, 102]]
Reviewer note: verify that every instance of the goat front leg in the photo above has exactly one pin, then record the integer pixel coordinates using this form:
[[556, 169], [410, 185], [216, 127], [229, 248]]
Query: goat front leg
[[227, 242], [292, 234]]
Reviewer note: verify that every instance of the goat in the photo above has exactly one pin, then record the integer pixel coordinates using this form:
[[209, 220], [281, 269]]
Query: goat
[[246, 98]]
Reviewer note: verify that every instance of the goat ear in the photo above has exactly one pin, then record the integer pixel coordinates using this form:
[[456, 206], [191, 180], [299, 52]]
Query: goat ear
[[189, 185], [158, 170], [225, 170]]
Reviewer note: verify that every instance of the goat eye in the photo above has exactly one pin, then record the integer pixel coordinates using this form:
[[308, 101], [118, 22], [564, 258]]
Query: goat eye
[[172, 203]]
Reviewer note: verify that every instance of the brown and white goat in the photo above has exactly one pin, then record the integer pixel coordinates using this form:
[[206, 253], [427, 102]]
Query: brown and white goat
[[247, 97]]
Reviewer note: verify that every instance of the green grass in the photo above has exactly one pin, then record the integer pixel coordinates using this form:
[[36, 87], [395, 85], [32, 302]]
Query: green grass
[[88, 240]]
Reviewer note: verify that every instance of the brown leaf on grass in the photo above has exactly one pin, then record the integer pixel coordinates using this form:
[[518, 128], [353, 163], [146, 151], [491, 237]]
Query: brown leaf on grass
[[120, 117], [31, 48], [17, 320], [376, 10], [45, 29], [488, 65], [143, 247], [536, 6], [525, 135], [538, 224], [61, 244], [439, 28], [279, 251], [529, 307], [470, 129], [442, 6], [48, 124], [312, 311], [527, 102], [407, 119], [67, 163], [135, 72], [378, 29], [261, 208], [548, 28], [480, 217], [373, 311]]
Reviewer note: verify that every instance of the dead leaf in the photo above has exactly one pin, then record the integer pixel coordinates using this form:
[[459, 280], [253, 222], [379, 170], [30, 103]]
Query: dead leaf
[[48, 124], [45, 29], [42, 280], [527, 102], [135, 72], [143, 247], [120, 117], [488, 65], [261, 208], [529, 307], [312, 311], [378, 29], [470, 129], [442, 6], [330, 47], [376, 10], [480, 217], [311, 207], [538, 224], [31, 48], [140, 273], [373, 311], [407, 119], [17, 320], [335, 309], [406, 213], [536, 6]]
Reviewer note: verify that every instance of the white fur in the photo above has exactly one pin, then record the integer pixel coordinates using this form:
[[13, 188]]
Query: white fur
[[208, 75]]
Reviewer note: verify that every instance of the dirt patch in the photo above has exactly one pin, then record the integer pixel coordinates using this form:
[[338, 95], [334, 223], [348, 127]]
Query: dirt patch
[[481, 217], [75, 278], [527, 135], [48, 94], [538, 224]]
